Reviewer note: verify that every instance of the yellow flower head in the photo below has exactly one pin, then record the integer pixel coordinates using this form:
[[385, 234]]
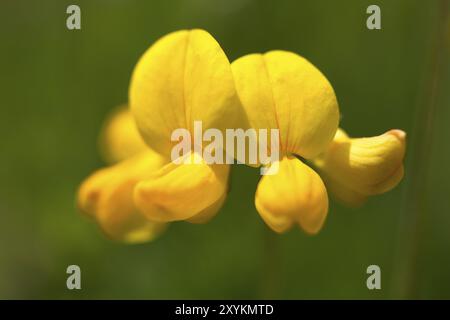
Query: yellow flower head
[[282, 90], [354, 169], [184, 77], [107, 194]]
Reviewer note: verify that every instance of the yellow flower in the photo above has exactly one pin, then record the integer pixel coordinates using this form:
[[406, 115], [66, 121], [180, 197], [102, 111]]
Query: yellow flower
[[107, 194], [284, 91], [281, 90], [184, 77], [354, 169], [119, 137]]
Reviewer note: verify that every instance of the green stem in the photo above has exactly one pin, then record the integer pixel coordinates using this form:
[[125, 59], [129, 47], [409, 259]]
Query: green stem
[[414, 209], [272, 272]]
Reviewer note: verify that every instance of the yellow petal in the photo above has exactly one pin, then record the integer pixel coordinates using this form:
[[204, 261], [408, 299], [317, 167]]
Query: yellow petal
[[107, 196], [344, 194], [119, 138], [280, 89], [296, 194], [208, 213], [184, 77], [191, 191], [362, 167]]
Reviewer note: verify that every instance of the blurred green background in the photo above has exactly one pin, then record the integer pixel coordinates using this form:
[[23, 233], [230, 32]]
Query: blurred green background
[[57, 86]]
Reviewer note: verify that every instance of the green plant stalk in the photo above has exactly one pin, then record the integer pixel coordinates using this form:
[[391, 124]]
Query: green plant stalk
[[271, 269], [413, 215]]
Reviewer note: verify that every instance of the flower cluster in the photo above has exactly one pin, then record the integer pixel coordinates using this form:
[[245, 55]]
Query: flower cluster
[[185, 77]]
